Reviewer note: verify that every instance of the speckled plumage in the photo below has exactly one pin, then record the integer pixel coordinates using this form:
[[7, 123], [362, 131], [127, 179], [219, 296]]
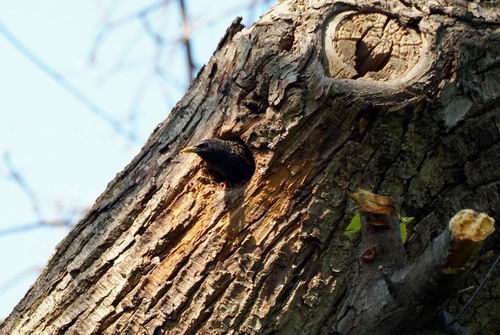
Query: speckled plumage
[[227, 160]]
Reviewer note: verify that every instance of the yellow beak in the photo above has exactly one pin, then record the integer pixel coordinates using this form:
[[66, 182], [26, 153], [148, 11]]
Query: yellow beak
[[189, 149]]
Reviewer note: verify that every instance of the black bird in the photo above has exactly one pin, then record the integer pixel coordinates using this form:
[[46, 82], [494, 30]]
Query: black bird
[[229, 161]]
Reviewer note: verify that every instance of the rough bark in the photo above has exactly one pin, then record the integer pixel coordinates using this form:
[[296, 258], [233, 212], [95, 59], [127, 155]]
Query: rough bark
[[388, 295], [398, 97]]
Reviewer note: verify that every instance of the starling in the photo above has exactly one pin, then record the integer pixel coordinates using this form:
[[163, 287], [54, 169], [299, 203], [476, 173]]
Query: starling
[[229, 161]]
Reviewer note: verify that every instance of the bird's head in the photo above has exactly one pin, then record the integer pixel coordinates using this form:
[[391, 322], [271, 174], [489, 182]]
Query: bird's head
[[201, 148]]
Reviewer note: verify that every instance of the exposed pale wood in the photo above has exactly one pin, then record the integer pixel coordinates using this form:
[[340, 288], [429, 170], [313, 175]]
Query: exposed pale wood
[[370, 45], [165, 250]]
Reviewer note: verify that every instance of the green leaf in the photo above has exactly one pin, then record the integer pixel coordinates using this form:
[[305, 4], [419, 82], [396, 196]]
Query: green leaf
[[403, 231], [403, 223], [354, 227]]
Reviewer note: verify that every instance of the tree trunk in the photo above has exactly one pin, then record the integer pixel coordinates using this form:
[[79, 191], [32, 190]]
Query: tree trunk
[[397, 97]]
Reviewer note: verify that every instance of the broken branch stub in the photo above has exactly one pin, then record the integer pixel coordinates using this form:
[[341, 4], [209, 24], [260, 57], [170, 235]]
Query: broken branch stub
[[388, 295], [468, 230], [381, 243], [370, 46]]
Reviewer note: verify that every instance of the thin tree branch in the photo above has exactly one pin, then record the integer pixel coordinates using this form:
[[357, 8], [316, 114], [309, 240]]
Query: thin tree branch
[[110, 26], [16, 176], [476, 292], [143, 12], [33, 226], [68, 86], [186, 40], [150, 31]]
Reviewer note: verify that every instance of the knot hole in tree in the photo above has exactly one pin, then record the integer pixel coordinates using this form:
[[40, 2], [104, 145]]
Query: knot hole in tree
[[371, 46]]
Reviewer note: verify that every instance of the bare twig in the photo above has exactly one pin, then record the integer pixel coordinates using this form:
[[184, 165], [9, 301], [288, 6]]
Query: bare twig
[[186, 40], [63, 82], [16, 176], [34, 226], [476, 292], [108, 27], [208, 20], [133, 16], [150, 31]]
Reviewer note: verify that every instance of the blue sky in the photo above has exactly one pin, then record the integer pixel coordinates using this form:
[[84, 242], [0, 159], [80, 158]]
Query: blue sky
[[64, 152]]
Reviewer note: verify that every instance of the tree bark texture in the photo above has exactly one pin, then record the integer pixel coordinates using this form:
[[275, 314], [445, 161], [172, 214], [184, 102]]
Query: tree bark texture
[[397, 97], [387, 294]]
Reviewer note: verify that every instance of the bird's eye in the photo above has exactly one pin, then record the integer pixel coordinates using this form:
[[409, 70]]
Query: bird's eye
[[202, 145]]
